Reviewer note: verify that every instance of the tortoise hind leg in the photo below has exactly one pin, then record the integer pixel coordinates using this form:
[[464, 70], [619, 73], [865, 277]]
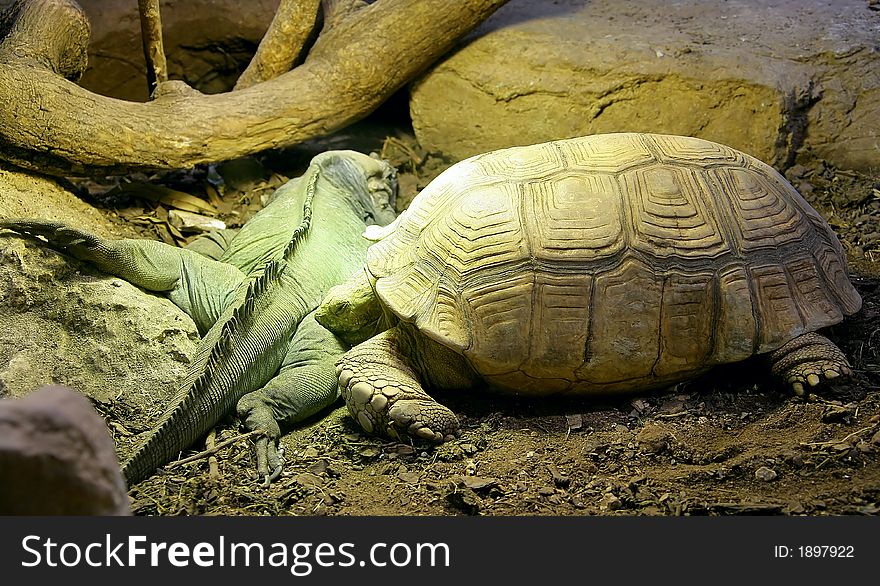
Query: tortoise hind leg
[[807, 360], [381, 382]]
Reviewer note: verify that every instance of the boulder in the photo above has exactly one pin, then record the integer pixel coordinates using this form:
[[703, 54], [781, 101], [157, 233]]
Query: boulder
[[56, 457], [64, 322], [780, 79]]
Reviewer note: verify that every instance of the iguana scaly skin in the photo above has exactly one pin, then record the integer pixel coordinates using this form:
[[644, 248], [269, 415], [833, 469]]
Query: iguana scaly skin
[[261, 350]]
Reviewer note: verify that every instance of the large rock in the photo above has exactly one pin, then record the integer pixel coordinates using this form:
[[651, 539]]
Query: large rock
[[208, 43], [63, 322], [56, 457], [775, 78]]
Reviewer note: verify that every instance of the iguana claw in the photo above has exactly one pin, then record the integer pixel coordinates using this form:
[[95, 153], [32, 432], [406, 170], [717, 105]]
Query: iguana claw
[[268, 454], [267, 480]]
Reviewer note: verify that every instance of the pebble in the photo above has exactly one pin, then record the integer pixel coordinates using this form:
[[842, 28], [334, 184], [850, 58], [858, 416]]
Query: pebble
[[766, 474], [477, 482], [559, 479], [610, 502], [308, 480], [409, 477], [652, 439], [368, 452], [469, 449]]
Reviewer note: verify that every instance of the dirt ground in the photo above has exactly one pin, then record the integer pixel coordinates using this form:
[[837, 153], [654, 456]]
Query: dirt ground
[[731, 442]]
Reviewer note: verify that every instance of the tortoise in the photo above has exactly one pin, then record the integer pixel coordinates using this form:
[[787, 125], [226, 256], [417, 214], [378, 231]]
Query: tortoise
[[608, 263]]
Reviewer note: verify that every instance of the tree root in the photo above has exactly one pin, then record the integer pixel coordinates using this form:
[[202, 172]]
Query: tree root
[[51, 125], [283, 42]]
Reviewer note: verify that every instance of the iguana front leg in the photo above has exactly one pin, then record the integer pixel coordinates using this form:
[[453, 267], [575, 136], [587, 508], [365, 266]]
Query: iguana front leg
[[196, 284], [305, 384]]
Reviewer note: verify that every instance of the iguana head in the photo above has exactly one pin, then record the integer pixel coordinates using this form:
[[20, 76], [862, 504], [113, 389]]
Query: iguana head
[[352, 310], [370, 182]]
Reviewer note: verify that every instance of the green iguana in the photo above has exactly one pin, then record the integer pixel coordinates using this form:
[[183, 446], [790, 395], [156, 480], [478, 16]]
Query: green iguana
[[262, 350]]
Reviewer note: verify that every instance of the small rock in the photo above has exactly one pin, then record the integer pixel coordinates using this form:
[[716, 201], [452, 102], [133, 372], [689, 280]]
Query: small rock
[[465, 500], [865, 448], [559, 479], [369, 452], [477, 482], [875, 439], [319, 467], [409, 477], [469, 449], [652, 439], [610, 502], [766, 474], [574, 422], [310, 452], [794, 458], [308, 480], [546, 491]]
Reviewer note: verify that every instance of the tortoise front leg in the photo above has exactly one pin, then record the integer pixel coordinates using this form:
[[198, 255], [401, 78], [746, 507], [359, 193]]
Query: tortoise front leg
[[381, 382], [809, 359]]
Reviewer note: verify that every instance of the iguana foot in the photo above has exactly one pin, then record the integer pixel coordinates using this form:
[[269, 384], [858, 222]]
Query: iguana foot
[[59, 235], [384, 397], [808, 360], [270, 460], [257, 415]]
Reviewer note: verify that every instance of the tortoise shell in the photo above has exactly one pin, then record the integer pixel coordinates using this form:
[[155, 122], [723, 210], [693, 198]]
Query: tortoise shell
[[610, 262]]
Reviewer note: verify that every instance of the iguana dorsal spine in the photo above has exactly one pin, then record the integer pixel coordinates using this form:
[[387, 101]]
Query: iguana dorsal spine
[[259, 283]]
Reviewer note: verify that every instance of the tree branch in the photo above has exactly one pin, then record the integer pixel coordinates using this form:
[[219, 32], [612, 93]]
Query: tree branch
[[283, 42], [335, 11], [54, 126], [151, 36], [46, 34]]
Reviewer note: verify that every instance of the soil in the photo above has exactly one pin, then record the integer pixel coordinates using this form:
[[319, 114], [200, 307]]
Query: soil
[[732, 442]]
